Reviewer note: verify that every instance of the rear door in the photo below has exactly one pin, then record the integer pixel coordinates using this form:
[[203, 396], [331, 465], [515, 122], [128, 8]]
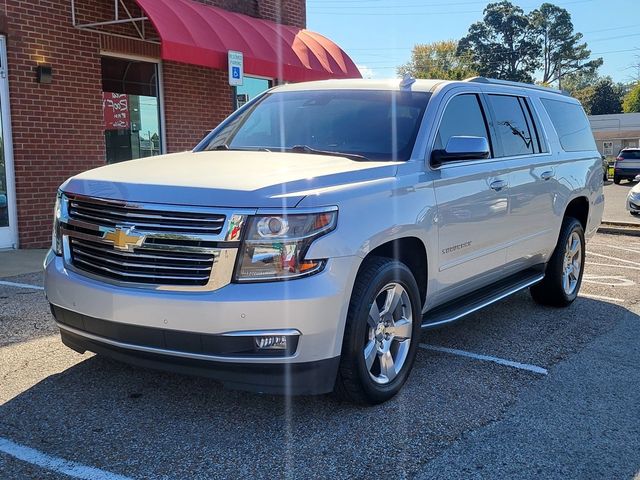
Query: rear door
[[472, 205], [532, 183]]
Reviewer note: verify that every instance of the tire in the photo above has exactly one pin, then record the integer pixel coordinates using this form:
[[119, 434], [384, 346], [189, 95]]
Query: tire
[[363, 382], [616, 180], [556, 290]]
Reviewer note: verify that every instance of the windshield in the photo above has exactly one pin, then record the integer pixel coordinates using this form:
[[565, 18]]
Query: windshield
[[372, 124]]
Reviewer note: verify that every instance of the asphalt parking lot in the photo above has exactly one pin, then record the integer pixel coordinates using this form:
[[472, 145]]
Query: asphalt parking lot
[[615, 201], [566, 407]]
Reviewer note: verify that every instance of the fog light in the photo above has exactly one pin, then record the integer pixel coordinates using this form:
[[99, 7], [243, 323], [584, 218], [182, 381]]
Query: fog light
[[271, 342]]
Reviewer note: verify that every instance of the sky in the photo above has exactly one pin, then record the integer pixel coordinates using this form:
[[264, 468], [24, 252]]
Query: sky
[[379, 34]]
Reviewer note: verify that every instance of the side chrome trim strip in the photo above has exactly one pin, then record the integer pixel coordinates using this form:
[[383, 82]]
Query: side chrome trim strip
[[173, 353]]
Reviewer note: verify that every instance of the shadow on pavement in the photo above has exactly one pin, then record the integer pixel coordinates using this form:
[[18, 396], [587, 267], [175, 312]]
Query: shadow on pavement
[[151, 424]]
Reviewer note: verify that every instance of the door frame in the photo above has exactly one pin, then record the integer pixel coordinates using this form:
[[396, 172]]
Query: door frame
[[8, 235]]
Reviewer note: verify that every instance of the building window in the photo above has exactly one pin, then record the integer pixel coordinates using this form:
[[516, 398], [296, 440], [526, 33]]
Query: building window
[[251, 87], [131, 109], [607, 148]]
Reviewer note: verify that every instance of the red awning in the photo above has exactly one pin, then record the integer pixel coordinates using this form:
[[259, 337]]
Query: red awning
[[201, 35]]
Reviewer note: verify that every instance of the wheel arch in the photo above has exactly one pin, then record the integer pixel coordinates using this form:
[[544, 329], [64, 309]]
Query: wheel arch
[[412, 252], [578, 208]]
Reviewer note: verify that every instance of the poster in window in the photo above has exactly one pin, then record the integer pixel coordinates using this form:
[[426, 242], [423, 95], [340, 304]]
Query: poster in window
[[116, 111]]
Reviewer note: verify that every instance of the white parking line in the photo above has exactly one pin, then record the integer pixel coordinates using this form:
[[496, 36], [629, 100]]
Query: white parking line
[[21, 285], [486, 358], [601, 297], [608, 280], [56, 464], [614, 258], [629, 267], [624, 249]]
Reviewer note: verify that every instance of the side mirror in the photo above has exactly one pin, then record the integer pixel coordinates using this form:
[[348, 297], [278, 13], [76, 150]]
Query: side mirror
[[461, 148]]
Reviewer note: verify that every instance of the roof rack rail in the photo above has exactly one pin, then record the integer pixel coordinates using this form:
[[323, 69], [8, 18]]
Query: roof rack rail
[[494, 81]]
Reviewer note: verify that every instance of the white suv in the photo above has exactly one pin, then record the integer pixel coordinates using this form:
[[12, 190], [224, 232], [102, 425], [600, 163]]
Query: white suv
[[303, 244]]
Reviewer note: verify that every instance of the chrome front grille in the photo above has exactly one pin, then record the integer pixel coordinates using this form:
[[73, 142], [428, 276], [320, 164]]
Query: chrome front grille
[[150, 245], [151, 267], [178, 219]]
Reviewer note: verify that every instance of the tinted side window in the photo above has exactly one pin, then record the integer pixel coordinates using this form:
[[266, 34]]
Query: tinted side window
[[511, 126], [571, 123], [462, 117], [534, 126]]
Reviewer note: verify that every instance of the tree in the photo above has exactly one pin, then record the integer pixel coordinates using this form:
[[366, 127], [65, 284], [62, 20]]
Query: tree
[[438, 60], [631, 101], [580, 80], [562, 52], [602, 98], [504, 44]]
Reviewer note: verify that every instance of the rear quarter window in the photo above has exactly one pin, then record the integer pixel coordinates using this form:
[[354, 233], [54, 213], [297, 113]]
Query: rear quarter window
[[571, 124]]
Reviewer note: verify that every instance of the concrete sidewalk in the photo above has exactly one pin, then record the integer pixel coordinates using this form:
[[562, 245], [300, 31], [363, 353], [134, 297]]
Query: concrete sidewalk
[[19, 262]]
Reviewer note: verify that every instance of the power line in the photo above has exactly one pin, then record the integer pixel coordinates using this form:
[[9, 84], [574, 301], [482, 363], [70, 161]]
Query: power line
[[409, 48], [355, 10], [592, 57]]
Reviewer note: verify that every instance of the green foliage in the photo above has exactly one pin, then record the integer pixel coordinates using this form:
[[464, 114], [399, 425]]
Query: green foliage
[[562, 51], [601, 98], [438, 60], [579, 80], [631, 101], [504, 44]]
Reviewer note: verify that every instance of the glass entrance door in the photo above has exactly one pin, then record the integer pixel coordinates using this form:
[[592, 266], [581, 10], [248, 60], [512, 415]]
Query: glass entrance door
[[8, 230]]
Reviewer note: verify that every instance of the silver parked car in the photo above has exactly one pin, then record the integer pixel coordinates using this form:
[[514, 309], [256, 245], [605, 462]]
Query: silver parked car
[[303, 244], [633, 200]]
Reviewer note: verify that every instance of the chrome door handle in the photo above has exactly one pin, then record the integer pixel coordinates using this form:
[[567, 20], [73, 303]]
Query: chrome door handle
[[547, 175], [498, 185]]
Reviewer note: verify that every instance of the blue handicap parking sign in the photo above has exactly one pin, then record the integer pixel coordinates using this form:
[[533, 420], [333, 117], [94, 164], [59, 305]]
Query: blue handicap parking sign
[[235, 72]]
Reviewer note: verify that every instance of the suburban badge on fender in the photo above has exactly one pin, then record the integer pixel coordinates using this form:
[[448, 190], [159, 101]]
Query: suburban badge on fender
[[124, 239]]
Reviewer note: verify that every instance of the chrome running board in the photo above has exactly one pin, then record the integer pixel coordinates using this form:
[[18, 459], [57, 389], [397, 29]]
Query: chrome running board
[[474, 301]]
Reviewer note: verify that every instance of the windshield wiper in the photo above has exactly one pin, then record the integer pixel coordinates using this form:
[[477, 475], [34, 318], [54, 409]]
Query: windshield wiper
[[308, 149], [224, 146]]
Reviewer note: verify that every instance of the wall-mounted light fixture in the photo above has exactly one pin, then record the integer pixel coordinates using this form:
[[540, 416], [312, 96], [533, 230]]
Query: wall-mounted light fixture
[[44, 73]]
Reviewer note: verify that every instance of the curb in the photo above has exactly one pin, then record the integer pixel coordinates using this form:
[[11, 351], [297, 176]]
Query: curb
[[620, 228]]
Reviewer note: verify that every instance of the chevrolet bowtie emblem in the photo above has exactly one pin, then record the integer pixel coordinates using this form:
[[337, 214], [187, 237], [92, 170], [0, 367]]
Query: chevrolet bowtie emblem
[[124, 238]]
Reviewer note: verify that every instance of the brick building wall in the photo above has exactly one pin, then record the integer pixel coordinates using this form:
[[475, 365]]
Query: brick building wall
[[58, 128], [196, 100], [288, 12]]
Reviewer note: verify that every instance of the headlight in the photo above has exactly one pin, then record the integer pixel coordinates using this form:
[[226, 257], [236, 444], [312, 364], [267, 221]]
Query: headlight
[[56, 237], [275, 246]]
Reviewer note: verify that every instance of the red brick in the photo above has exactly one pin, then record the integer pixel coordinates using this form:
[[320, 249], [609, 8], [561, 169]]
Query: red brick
[[58, 128]]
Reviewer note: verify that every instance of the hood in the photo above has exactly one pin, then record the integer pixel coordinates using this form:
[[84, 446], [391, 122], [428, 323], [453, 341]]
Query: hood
[[225, 178]]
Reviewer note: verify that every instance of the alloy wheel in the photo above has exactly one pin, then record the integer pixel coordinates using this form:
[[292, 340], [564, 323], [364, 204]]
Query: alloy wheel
[[572, 263], [390, 326]]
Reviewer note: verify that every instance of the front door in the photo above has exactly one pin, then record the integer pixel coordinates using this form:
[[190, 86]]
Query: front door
[[8, 228], [472, 204]]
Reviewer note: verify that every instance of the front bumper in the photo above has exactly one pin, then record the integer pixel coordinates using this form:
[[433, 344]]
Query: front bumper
[[633, 204], [160, 328]]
